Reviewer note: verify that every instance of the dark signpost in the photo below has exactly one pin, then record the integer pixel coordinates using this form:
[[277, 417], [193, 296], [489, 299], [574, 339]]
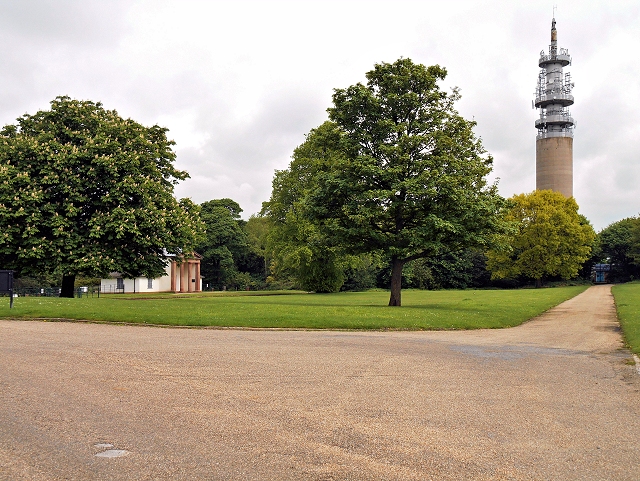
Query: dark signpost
[[6, 285]]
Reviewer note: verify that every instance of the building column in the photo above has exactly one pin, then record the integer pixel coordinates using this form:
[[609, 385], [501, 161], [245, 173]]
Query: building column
[[190, 275], [183, 276], [173, 276], [198, 276]]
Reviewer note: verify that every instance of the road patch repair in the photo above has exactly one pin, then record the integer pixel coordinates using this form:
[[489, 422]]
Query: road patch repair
[[557, 398], [108, 451]]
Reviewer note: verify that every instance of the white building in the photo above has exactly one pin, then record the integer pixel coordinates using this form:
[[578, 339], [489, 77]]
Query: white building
[[179, 277]]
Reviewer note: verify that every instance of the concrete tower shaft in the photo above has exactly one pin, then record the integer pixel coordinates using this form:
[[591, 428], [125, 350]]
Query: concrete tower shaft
[[554, 142]]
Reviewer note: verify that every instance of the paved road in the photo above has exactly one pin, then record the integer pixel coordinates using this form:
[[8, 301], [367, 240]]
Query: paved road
[[553, 399]]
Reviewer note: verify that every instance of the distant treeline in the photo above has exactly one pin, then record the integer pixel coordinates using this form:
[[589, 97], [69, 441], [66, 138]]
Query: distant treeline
[[240, 254]]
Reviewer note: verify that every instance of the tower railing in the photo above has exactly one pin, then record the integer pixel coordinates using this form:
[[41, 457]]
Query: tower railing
[[564, 120], [560, 55], [552, 133], [542, 101]]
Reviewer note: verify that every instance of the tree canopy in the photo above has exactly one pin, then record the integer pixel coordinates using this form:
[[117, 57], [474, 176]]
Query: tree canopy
[[224, 242], [295, 244], [619, 245], [84, 191], [550, 238], [255, 260], [410, 178]]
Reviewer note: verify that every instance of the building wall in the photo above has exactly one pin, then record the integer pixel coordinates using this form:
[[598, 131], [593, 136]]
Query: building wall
[[554, 165], [141, 285], [159, 284], [177, 279]]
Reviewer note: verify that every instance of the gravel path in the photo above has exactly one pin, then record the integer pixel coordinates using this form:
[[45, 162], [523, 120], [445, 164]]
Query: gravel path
[[554, 399]]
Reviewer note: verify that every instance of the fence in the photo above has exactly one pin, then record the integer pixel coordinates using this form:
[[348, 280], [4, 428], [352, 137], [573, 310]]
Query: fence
[[55, 291], [111, 289]]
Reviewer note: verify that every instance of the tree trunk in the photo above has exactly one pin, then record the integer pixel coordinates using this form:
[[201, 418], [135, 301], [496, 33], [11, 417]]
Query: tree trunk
[[538, 283], [68, 283], [396, 281]]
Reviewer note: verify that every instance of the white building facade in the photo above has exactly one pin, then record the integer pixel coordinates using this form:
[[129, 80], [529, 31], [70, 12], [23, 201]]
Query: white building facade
[[180, 276]]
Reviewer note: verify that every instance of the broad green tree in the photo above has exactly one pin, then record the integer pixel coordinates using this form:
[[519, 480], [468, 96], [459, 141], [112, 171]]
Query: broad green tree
[[450, 271], [225, 241], [84, 191], [634, 252], [410, 180], [551, 238], [619, 245], [296, 246], [256, 260]]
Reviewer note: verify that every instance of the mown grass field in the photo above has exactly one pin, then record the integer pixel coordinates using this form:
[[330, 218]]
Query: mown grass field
[[468, 309], [628, 306]]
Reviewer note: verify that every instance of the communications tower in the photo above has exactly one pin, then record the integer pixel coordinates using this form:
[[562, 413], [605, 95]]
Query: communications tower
[[554, 142]]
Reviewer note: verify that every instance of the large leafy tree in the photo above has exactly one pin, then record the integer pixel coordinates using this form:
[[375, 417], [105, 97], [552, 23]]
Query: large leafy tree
[[449, 271], [619, 244], [225, 241], [410, 182], [550, 239], [634, 252], [84, 191], [255, 260], [296, 246]]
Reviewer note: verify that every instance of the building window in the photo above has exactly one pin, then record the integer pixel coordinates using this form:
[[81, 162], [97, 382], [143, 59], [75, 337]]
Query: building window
[[120, 283], [149, 283]]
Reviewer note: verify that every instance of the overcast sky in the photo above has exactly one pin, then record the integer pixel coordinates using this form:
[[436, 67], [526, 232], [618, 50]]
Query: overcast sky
[[239, 84]]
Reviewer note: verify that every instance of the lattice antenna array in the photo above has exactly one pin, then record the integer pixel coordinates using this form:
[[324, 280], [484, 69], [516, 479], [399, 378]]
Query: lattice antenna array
[[554, 142], [553, 94]]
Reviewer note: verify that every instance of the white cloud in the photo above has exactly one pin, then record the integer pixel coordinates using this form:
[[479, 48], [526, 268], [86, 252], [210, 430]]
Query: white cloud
[[239, 83]]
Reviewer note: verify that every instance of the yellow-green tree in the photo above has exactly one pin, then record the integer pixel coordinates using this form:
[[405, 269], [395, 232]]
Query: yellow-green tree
[[550, 238]]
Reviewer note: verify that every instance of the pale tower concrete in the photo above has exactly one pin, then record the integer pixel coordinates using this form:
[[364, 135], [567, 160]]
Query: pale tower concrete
[[554, 142]]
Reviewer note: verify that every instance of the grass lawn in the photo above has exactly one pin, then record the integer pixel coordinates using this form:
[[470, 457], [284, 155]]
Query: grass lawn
[[628, 306], [468, 309]]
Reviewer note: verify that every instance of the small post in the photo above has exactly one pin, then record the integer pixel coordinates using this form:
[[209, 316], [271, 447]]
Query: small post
[[6, 285]]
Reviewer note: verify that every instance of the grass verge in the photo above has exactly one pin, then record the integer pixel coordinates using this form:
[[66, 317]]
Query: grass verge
[[468, 309], [627, 298]]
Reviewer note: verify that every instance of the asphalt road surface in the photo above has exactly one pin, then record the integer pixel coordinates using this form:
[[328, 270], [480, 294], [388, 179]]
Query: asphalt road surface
[[555, 399]]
